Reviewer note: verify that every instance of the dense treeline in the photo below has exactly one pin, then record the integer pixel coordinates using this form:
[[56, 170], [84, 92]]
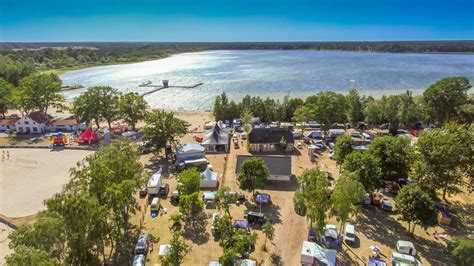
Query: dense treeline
[[18, 60], [445, 100]]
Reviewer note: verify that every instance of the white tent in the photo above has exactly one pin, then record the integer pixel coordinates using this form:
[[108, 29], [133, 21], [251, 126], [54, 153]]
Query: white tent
[[210, 178], [164, 249], [311, 252]]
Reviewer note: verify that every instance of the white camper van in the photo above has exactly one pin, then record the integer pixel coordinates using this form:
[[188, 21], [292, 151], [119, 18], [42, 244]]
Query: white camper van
[[153, 186], [406, 247], [155, 204]]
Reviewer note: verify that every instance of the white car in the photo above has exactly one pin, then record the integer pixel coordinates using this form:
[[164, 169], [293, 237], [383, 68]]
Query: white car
[[349, 233], [332, 154]]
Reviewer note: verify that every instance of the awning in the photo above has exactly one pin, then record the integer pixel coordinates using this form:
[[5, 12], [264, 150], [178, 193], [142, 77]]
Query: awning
[[196, 161]]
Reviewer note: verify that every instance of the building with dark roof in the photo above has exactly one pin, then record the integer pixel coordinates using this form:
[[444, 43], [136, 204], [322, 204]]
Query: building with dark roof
[[216, 139], [268, 139], [279, 167]]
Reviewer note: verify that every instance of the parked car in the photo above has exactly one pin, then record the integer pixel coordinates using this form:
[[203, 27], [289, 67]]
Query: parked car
[[142, 191], [299, 145], [256, 218], [243, 136], [174, 197], [142, 245], [349, 233], [164, 190], [404, 259], [332, 154], [138, 260], [406, 247]]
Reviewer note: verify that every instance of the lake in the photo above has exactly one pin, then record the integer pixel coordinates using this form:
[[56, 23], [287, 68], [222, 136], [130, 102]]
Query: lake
[[273, 74]]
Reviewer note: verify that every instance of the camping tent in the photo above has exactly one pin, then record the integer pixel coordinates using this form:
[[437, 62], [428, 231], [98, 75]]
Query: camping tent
[[217, 138], [189, 152], [311, 252], [210, 178], [164, 249], [88, 136]]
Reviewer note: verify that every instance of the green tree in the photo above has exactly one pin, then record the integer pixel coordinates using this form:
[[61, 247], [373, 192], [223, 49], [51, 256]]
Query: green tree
[[190, 180], [247, 118], [328, 107], [315, 196], [391, 111], [225, 230], [393, 155], [343, 147], [409, 111], [375, 111], [26, 255], [346, 198], [445, 157], [177, 252], [175, 220], [416, 207], [355, 107], [462, 250], [38, 93], [132, 108], [112, 176], [5, 97], [243, 243], [163, 129], [224, 198], [46, 234], [445, 97], [189, 202], [269, 232], [99, 103], [282, 144], [253, 174], [364, 167]]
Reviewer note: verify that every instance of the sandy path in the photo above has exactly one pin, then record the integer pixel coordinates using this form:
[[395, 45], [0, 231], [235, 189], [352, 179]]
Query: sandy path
[[29, 176]]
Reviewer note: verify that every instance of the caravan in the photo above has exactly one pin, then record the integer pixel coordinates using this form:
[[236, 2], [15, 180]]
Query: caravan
[[153, 186]]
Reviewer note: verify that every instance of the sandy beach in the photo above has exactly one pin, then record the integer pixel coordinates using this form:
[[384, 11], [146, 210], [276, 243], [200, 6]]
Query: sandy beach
[[29, 176]]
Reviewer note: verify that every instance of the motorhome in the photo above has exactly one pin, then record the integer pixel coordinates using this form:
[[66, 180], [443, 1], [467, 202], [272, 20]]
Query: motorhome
[[153, 186]]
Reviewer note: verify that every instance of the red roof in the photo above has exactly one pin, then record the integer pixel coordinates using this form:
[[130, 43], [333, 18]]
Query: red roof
[[9, 121], [39, 117]]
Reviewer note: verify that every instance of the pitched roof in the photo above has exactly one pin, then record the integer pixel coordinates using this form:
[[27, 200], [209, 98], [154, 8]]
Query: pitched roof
[[9, 121], [216, 135], [39, 117], [277, 165], [270, 135], [64, 122]]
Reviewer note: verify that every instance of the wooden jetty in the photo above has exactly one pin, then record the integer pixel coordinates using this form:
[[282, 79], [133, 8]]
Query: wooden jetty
[[160, 87]]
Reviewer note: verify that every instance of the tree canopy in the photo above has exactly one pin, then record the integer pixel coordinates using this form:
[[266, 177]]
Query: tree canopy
[[163, 129], [343, 147], [415, 206], [394, 156], [363, 167], [132, 108], [314, 197], [445, 157], [346, 198], [445, 97], [253, 174]]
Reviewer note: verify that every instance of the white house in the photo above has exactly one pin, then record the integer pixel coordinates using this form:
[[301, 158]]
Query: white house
[[34, 123]]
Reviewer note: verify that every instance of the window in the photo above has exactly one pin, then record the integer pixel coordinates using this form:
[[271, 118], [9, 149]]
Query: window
[[35, 129], [27, 122]]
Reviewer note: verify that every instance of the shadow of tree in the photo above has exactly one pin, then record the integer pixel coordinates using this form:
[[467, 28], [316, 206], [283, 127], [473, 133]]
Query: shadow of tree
[[195, 229], [270, 210], [275, 259], [382, 227]]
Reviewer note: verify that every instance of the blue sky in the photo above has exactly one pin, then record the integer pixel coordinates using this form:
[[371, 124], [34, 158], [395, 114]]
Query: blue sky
[[236, 20]]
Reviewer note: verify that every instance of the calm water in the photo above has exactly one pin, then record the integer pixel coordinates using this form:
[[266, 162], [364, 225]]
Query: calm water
[[274, 74]]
